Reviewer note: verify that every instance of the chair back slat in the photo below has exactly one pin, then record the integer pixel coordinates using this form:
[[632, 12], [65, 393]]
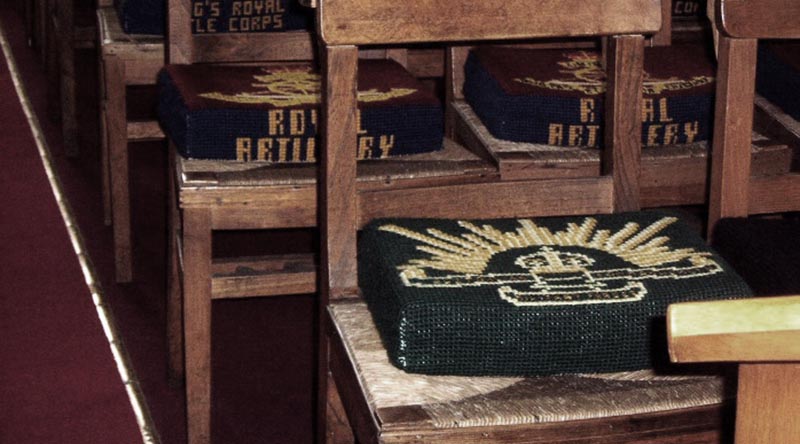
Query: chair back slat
[[186, 46], [361, 22]]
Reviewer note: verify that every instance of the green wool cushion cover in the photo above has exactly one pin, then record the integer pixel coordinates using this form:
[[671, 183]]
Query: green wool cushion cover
[[517, 297]]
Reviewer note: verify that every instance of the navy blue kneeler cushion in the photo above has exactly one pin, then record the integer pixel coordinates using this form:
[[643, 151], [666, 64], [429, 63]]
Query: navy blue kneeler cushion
[[217, 16], [142, 16], [271, 113], [778, 74], [555, 96], [524, 297], [233, 16]]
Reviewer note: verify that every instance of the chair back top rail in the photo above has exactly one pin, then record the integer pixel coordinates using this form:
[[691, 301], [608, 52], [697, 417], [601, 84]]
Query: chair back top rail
[[759, 19], [365, 22]]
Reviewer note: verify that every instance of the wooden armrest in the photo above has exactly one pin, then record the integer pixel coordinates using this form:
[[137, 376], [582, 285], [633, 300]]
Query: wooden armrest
[[758, 19], [743, 330]]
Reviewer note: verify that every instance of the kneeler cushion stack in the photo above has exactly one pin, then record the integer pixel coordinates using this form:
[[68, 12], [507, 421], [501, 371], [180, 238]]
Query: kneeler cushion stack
[[555, 96], [526, 297], [216, 16], [271, 113]]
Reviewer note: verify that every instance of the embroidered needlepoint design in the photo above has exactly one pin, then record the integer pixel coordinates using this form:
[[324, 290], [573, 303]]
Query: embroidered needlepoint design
[[297, 87], [583, 73], [562, 271]]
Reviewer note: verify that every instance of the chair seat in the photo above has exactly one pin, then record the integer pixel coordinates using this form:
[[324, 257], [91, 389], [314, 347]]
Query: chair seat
[[271, 113], [778, 74], [525, 297], [438, 402], [555, 96]]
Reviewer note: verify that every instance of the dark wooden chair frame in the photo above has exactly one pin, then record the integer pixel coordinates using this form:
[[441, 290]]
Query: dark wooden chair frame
[[344, 208]]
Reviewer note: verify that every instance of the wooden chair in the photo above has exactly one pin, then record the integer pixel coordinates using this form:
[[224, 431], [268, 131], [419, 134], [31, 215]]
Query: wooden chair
[[346, 398], [733, 191], [70, 33], [203, 198], [124, 60], [761, 335], [671, 174]]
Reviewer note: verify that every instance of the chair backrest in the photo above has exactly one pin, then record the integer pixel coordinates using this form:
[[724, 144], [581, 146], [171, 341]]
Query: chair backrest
[[733, 193], [344, 24], [186, 45]]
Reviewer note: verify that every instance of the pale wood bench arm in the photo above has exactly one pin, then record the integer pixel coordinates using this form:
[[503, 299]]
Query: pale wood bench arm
[[744, 330]]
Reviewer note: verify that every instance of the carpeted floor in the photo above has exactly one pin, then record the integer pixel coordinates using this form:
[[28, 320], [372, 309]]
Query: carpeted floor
[[58, 379], [262, 348]]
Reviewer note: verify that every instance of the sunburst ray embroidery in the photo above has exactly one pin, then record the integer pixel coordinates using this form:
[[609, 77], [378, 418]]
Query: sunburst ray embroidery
[[551, 275]]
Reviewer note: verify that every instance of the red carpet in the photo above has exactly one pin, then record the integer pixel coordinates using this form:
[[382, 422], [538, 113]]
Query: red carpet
[[58, 379], [262, 348]]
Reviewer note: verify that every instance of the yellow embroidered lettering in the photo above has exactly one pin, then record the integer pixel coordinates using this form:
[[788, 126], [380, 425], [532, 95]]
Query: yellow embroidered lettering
[[297, 122], [587, 110], [648, 112], [556, 134], [358, 119], [691, 129], [592, 139], [283, 143], [652, 134], [311, 147], [243, 149], [264, 146], [575, 135], [365, 144], [664, 110], [385, 144], [236, 8], [276, 122], [671, 134], [297, 144]]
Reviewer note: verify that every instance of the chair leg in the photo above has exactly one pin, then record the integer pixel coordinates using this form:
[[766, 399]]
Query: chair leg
[[117, 130], [338, 430], [105, 168], [767, 397], [69, 120], [174, 290], [733, 124], [197, 322]]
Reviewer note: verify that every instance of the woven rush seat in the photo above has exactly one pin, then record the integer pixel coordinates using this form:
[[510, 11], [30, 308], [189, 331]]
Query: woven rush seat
[[526, 297], [396, 398], [778, 74], [271, 113], [555, 97]]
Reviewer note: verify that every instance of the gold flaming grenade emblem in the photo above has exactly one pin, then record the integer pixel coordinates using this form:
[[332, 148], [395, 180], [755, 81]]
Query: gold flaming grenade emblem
[[584, 73], [293, 87], [554, 273]]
